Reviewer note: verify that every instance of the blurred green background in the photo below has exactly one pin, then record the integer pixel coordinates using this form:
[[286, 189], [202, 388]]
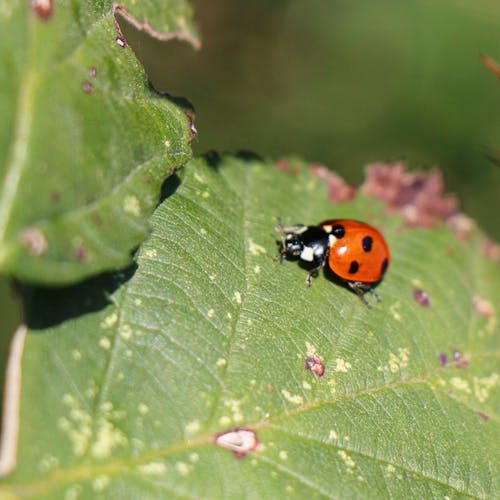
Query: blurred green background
[[342, 83]]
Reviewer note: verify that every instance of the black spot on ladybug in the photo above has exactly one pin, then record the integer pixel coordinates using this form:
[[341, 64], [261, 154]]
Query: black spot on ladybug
[[422, 297], [353, 268], [87, 87], [367, 243], [383, 268], [338, 231]]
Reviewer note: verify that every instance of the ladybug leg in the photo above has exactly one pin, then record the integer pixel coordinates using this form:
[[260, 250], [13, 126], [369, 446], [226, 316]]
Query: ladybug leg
[[360, 289], [313, 273], [375, 294]]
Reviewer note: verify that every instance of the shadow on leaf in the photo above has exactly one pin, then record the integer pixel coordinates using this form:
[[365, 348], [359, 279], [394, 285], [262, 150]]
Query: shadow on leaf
[[48, 307]]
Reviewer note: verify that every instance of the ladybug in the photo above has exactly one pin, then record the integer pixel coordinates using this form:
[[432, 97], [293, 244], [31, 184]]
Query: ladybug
[[356, 252]]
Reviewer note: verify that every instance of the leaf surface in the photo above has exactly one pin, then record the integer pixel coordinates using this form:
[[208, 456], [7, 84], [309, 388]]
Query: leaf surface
[[210, 334], [85, 143]]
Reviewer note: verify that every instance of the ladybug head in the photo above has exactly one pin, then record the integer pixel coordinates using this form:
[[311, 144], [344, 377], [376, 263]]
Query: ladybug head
[[291, 245]]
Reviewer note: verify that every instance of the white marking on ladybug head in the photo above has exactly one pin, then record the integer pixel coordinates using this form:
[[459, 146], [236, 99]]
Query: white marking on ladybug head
[[307, 254], [331, 240]]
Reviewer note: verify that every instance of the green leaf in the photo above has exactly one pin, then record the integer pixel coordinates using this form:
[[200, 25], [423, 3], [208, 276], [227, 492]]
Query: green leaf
[[85, 143], [210, 334]]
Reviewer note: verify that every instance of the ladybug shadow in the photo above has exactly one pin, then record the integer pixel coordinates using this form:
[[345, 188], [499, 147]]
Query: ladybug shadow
[[327, 273]]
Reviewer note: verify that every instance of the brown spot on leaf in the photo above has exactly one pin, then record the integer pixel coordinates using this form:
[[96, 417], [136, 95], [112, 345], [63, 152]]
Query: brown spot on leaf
[[192, 128], [443, 359], [240, 441], [461, 225], [492, 65], [421, 297], [460, 361], [315, 366], [44, 9], [81, 253], [484, 416], [417, 196], [92, 72], [55, 196], [482, 307], [87, 87], [338, 189], [120, 41], [35, 241], [285, 166], [491, 249]]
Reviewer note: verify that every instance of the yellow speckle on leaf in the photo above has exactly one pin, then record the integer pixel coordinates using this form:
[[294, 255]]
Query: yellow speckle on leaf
[[76, 355], [221, 362], [255, 249], [348, 461], [153, 469], [224, 420], [192, 427], [77, 426], [341, 365], [283, 455], [396, 361], [460, 384], [211, 313], [109, 320], [131, 205], [332, 436], [73, 492], [483, 386], [310, 350], [125, 332], [152, 253], [237, 297], [182, 468], [200, 178], [394, 310], [143, 409], [100, 483], [292, 398], [306, 385], [332, 384], [194, 458], [390, 470], [256, 269], [108, 437]]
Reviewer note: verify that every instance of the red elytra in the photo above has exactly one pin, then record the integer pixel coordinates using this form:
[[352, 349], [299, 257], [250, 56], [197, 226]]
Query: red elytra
[[359, 254]]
